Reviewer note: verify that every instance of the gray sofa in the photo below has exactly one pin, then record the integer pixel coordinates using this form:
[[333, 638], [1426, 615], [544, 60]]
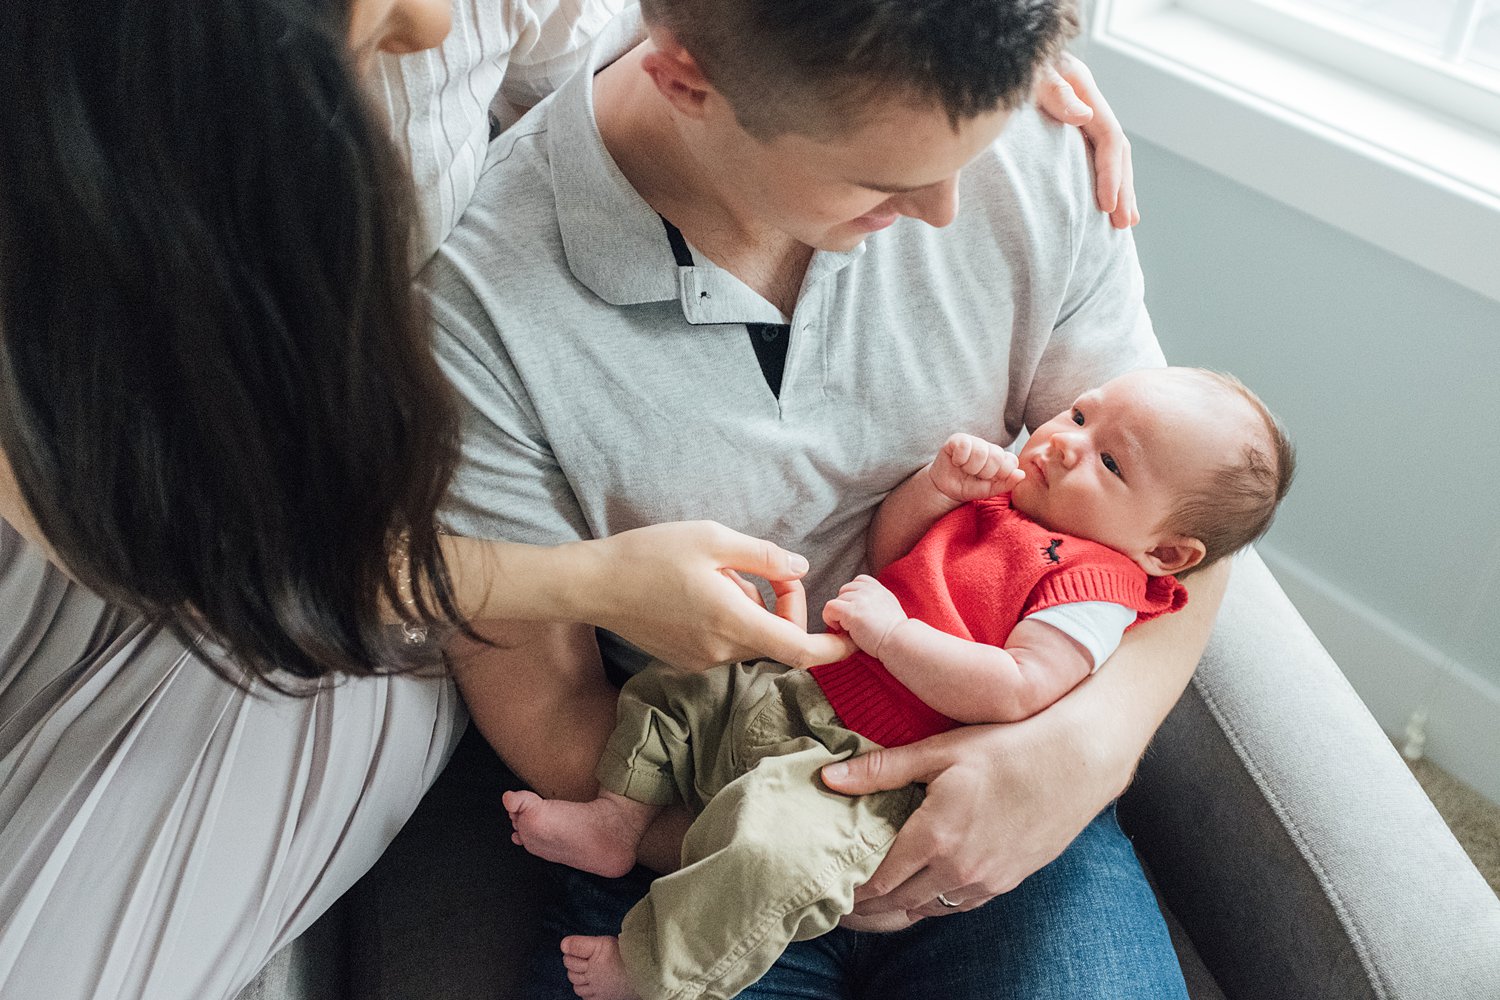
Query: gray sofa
[[1293, 852]]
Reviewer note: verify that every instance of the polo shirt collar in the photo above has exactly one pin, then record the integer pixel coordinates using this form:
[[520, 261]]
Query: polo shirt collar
[[614, 241]]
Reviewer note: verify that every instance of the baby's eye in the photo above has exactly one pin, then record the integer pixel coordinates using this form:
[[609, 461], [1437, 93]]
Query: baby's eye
[[1078, 416], [1110, 463]]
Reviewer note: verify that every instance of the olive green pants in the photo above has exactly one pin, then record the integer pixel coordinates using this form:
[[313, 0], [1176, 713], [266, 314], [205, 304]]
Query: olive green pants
[[773, 856]]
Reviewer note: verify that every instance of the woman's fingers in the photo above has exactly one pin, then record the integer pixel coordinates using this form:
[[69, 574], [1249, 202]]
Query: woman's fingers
[[1056, 96], [791, 602], [756, 556], [746, 587]]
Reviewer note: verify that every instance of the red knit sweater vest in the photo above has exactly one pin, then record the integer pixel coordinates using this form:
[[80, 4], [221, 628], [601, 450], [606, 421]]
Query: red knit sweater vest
[[975, 574]]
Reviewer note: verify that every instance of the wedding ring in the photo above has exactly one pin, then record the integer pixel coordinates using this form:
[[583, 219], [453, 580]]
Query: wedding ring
[[946, 901]]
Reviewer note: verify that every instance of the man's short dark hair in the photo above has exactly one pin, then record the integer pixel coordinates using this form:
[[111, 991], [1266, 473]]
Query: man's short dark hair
[[813, 65]]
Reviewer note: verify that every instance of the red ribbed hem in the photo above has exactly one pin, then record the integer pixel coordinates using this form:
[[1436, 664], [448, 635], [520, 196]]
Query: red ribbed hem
[[1125, 584], [872, 703]]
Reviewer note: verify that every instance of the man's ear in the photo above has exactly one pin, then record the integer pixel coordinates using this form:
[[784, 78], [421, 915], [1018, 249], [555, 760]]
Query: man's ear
[[676, 73], [1173, 555]]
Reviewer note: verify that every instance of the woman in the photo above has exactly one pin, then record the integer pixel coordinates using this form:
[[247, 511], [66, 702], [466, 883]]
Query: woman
[[219, 415]]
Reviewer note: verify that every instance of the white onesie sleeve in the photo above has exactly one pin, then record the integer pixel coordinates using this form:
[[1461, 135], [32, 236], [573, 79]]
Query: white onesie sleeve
[[1097, 626]]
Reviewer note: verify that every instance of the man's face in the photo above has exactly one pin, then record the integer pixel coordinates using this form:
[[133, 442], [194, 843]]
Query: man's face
[[901, 159], [1113, 465]]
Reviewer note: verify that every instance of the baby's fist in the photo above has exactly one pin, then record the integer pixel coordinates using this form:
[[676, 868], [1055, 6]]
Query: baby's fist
[[866, 611], [971, 468]]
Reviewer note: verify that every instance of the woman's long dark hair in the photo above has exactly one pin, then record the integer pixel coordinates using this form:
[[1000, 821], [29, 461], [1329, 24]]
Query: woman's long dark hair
[[217, 388]]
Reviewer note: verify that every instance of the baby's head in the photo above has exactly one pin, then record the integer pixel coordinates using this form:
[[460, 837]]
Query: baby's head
[[1174, 467]]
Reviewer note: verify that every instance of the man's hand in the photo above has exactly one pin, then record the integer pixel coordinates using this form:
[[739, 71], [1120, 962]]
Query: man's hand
[[971, 468], [1065, 89], [675, 590], [867, 611], [1002, 801]]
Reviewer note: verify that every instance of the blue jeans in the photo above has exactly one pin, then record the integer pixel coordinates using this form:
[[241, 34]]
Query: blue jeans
[[1086, 927]]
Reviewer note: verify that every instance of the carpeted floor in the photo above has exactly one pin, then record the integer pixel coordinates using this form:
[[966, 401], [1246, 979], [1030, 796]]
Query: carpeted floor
[[1474, 820]]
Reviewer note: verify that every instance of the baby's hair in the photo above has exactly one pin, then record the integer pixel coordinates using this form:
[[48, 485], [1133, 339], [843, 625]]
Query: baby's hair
[[1237, 502]]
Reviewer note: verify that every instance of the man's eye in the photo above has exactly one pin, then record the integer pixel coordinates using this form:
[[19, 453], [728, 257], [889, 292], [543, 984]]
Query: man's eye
[[1078, 416], [1110, 463]]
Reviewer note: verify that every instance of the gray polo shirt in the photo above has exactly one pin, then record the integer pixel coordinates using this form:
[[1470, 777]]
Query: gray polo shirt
[[608, 387]]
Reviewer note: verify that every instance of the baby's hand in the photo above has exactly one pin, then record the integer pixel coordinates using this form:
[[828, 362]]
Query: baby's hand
[[971, 468], [866, 611]]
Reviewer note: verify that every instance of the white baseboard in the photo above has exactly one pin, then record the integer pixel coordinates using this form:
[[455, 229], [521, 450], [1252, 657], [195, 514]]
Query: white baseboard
[[1396, 673]]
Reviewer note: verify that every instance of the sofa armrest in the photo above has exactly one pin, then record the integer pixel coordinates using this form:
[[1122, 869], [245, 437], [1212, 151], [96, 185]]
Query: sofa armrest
[[1289, 837]]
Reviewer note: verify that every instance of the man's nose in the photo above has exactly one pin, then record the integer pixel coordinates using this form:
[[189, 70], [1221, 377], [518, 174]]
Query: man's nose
[[935, 204]]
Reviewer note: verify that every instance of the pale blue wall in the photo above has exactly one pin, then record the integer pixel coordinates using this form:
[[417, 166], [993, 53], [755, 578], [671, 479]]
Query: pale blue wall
[[1388, 376]]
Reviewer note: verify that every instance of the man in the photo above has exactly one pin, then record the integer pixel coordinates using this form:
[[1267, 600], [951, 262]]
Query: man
[[728, 277]]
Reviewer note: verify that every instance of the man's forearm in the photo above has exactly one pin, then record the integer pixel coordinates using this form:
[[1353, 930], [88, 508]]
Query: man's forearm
[[1123, 705], [544, 705], [541, 700]]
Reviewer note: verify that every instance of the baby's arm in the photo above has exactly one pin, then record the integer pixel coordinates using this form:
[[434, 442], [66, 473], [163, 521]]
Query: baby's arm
[[967, 681], [966, 468]]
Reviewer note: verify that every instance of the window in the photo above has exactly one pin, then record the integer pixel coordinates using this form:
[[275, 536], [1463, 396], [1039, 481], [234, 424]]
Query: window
[[1443, 53], [1379, 117]]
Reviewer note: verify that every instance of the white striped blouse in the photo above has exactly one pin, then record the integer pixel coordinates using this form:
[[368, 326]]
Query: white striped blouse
[[501, 57]]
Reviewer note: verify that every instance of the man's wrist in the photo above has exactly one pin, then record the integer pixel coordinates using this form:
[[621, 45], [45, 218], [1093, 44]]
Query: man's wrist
[[1106, 746]]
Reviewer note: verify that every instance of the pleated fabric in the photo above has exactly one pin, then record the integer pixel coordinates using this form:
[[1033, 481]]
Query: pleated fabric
[[498, 60], [163, 832]]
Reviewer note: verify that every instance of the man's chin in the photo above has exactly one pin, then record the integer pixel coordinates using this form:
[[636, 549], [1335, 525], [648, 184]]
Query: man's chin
[[840, 242]]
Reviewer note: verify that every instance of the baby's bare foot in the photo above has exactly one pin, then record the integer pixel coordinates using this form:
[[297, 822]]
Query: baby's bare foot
[[599, 836], [595, 969]]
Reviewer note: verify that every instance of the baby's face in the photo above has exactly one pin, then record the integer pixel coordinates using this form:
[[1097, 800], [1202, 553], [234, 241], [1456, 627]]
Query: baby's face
[[1112, 466]]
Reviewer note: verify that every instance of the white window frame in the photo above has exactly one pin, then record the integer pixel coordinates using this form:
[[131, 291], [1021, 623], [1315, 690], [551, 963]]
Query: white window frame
[[1387, 168], [1369, 54]]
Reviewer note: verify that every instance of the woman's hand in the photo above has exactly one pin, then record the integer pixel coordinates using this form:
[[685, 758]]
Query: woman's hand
[[675, 591], [1066, 90], [1002, 801]]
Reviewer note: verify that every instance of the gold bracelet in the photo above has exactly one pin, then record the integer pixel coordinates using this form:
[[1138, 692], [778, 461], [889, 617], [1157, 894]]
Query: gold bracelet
[[414, 632]]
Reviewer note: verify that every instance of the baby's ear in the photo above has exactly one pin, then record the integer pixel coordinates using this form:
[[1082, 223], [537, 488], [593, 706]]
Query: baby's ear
[[1173, 555]]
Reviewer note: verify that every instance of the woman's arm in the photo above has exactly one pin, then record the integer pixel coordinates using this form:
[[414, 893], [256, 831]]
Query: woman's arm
[[667, 588], [663, 587], [1004, 800], [14, 510]]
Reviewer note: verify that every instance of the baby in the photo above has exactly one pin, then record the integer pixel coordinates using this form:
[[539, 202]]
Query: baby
[[1006, 581]]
